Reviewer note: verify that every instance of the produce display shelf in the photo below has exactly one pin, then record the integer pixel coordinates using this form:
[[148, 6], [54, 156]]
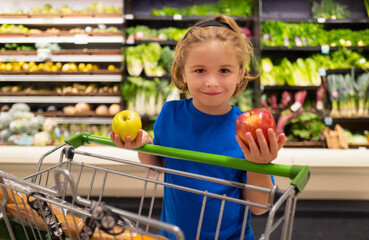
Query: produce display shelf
[[343, 71], [163, 43], [313, 20], [83, 120], [60, 78], [177, 17], [310, 48], [289, 88], [62, 21], [76, 39], [63, 58], [60, 99], [364, 119]]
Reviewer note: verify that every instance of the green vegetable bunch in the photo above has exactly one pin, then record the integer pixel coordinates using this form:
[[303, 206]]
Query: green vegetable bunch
[[349, 98], [151, 58], [229, 7], [306, 126], [147, 97], [329, 9], [303, 72], [310, 34], [293, 34], [141, 32], [341, 59]]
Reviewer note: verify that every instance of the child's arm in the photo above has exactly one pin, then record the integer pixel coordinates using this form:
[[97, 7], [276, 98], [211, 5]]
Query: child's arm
[[142, 138], [260, 153]]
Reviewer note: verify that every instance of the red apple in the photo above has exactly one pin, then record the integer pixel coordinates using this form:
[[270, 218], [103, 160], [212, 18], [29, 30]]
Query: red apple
[[252, 120]]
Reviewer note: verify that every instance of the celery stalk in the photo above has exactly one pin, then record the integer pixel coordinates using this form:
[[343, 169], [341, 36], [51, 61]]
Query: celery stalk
[[333, 94]]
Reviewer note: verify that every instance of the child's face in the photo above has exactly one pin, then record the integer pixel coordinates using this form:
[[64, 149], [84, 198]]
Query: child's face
[[211, 72]]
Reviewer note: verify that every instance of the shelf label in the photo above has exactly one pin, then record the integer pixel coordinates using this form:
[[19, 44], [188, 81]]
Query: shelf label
[[80, 38], [177, 17], [129, 16], [296, 106], [362, 60], [321, 20], [325, 49], [130, 40], [322, 72], [319, 105], [328, 121]]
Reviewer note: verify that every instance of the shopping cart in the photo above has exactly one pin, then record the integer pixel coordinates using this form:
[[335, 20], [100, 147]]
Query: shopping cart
[[52, 204]]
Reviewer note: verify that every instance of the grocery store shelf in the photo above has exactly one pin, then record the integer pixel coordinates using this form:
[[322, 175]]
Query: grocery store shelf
[[60, 99], [61, 21], [176, 17], [63, 58], [314, 20], [83, 120], [76, 39], [309, 48], [163, 43], [61, 78], [289, 88]]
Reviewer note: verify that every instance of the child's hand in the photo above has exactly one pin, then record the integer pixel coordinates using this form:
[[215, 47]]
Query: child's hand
[[142, 139], [262, 152]]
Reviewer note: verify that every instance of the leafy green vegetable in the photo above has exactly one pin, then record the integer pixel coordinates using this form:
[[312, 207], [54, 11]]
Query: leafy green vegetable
[[329, 9], [167, 57], [134, 60], [229, 7], [305, 126]]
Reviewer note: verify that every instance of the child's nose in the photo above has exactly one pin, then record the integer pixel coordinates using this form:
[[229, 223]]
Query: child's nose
[[211, 81]]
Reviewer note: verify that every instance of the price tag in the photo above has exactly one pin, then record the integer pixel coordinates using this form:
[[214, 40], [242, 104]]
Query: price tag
[[321, 20], [362, 60], [328, 121], [322, 72], [319, 105], [177, 17], [130, 40], [81, 39], [325, 49], [296, 106], [129, 16]]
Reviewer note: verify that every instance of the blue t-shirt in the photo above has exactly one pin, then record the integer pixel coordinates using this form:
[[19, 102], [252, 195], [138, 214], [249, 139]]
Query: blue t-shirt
[[181, 125]]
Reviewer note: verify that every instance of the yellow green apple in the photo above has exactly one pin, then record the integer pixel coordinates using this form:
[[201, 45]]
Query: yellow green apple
[[126, 123]]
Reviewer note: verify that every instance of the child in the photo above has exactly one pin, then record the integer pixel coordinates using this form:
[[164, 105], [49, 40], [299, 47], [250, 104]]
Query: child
[[211, 64]]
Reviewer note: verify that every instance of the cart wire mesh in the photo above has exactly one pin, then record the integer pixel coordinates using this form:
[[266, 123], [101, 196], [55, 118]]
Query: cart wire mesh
[[67, 199]]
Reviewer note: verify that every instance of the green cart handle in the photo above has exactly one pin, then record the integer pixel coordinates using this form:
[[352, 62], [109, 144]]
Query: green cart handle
[[299, 175]]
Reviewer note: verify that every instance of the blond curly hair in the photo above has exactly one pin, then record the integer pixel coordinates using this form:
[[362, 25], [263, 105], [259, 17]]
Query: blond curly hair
[[241, 44]]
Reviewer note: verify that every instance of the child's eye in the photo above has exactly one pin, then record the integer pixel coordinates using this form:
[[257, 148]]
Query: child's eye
[[224, 70], [200, 70]]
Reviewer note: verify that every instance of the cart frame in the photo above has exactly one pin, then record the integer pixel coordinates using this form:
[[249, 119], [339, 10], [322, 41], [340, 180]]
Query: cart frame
[[299, 176]]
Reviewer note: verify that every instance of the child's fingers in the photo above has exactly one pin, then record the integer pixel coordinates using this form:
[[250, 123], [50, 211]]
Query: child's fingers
[[128, 142], [252, 144], [273, 144], [282, 139], [243, 146], [262, 142]]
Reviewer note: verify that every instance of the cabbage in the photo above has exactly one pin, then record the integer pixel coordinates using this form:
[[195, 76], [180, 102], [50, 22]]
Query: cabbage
[[134, 61]]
